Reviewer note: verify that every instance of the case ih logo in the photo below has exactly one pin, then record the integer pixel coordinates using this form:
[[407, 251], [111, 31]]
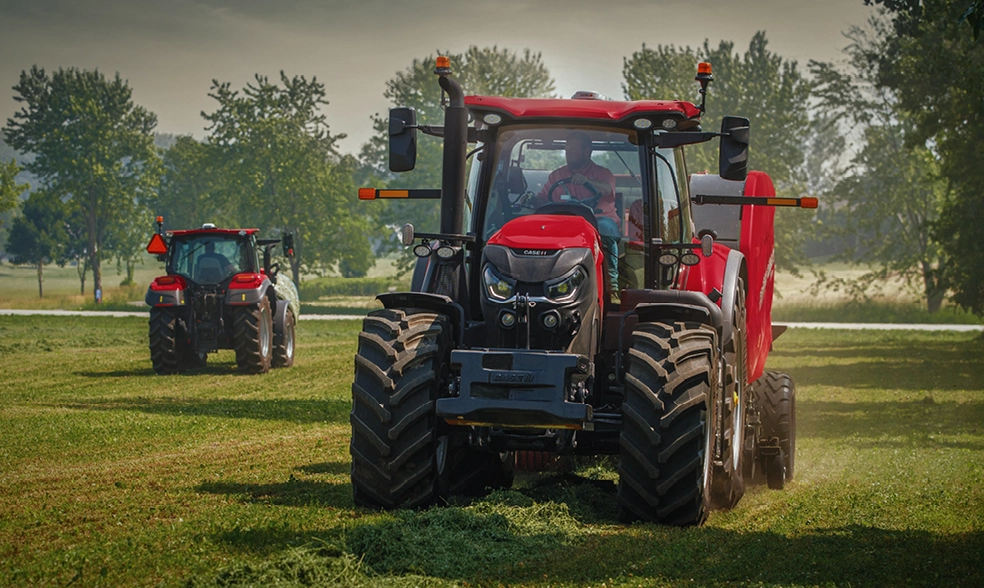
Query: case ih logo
[[511, 377], [535, 252]]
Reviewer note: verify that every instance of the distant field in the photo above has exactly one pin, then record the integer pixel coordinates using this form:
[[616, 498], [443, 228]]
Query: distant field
[[112, 476]]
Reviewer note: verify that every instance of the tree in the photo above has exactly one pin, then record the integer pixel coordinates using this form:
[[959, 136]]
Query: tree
[[761, 85], [92, 144], [891, 196], [38, 235], [281, 168], [10, 190], [936, 67], [484, 71], [190, 194]]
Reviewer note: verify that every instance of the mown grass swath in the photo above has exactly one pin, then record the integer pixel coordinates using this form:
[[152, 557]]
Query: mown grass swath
[[110, 475]]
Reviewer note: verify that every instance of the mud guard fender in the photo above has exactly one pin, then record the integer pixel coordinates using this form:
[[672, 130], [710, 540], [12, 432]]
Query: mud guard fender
[[735, 269], [165, 297], [244, 296], [433, 302]]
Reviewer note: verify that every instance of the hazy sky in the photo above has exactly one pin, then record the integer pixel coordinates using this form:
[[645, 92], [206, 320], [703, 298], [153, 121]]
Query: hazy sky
[[170, 50]]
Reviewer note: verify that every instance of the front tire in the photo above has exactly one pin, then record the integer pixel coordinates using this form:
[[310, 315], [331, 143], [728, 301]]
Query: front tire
[[398, 367], [253, 337], [776, 396], [668, 424]]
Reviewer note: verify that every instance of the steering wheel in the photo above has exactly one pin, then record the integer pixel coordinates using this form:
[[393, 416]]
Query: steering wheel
[[589, 202], [525, 200]]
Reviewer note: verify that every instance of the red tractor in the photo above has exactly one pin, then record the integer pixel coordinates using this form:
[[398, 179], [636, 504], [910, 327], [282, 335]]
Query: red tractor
[[216, 295], [575, 302]]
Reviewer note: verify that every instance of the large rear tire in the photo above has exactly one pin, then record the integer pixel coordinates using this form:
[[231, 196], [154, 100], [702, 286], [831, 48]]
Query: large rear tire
[[776, 395], [398, 368], [164, 350], [252, 333], [668, 424], [729, 481], [283, 349]]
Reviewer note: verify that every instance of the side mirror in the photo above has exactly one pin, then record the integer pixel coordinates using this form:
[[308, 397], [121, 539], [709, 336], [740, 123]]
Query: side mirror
[[733, 163], [288, 244], [402, 139]]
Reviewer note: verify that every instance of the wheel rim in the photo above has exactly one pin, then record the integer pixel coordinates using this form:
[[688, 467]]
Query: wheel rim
[[265, 332]]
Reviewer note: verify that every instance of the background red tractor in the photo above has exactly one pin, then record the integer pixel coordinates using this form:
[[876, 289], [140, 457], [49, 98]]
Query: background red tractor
[[573, 302], [216, 295]]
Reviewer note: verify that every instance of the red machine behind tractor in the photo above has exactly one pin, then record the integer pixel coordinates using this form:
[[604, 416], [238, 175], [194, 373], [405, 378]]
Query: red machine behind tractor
[[568, 310]]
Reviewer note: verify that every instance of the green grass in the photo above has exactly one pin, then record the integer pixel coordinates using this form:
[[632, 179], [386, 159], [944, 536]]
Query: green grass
[[110, 475]]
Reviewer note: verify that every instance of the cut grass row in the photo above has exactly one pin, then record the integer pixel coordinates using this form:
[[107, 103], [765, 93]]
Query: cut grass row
[[110, 475]]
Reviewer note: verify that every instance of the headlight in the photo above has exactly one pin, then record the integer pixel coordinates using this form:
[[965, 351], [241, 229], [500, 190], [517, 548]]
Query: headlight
[[498, 287], [566, 287]]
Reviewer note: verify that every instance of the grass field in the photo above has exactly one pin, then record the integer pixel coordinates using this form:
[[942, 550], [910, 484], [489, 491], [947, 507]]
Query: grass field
[[111, 476]]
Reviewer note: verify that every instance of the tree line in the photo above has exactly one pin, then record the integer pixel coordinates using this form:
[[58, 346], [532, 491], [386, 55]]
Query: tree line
[[885, 137]]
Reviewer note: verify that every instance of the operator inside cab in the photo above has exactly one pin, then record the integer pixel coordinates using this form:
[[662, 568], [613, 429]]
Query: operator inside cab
[[585, 181]]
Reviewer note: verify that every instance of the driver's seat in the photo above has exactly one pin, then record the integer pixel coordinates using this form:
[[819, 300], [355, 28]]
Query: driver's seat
[[570, 209]]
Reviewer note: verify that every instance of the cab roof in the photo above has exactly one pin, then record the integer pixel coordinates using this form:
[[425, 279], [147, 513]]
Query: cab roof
[[206, 232], [606, 110]]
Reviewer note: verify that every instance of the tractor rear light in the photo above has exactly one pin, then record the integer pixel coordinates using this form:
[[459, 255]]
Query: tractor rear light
[[808, 202], [246, 281], [367, 193], [168, 283]]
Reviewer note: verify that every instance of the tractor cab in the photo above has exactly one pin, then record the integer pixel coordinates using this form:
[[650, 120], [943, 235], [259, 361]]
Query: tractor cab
[[212, 256]]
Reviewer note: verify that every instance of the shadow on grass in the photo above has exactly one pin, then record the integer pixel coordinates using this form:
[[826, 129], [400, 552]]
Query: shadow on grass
[[919, 363], [212, 369], [914, 424], [328, 467], [293, 411], [293, 492]]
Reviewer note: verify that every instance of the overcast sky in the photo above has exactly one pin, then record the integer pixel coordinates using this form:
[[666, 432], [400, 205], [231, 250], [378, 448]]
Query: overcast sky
[[170, 50]]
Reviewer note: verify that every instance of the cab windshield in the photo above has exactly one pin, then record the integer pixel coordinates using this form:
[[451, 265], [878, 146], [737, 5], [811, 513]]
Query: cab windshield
[[208, 259], [536, 169]]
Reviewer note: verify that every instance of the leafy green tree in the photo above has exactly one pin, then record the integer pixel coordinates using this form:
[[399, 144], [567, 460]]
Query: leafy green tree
[[891, 195], [91, 143], [10, 190], [936, 67], [190, 192], [280, 169], [759, 84], [38, 236]]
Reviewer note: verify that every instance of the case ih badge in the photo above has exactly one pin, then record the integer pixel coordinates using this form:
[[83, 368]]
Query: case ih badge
[[216, 295], [575, 301]]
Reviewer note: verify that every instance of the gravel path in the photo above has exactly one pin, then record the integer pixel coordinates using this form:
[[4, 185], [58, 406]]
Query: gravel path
[[352, 317]]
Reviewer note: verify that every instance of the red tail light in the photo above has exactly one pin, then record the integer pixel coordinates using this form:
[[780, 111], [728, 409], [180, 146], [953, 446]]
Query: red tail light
[[247, 281], [168, 283]]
